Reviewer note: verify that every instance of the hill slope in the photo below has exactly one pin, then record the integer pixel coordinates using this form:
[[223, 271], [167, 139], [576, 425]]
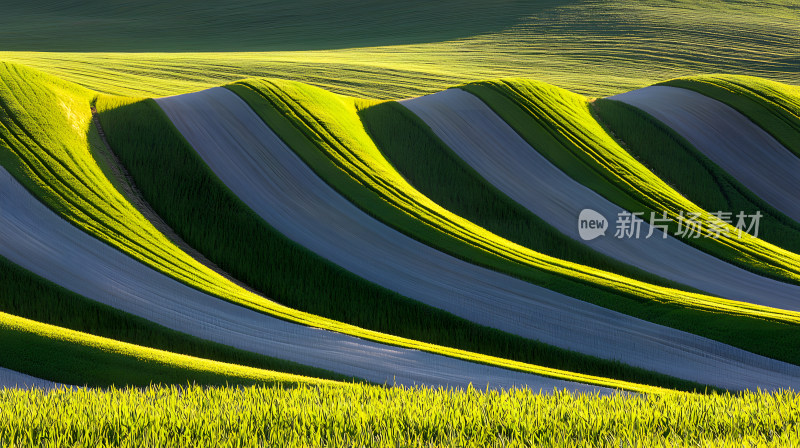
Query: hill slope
[[302, 160]]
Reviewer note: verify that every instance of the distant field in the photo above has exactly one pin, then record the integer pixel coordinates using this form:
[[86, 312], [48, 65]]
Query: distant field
[[591, 47], [250, 25]]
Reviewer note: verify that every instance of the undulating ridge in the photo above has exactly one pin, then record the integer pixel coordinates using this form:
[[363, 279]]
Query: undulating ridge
[[270, 180]]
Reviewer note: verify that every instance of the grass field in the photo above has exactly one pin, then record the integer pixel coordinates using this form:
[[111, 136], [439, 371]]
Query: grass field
[[438, 173], [76, 174], [28, 296], [591, 47], [76, 55], [328, 415], [246, 25]]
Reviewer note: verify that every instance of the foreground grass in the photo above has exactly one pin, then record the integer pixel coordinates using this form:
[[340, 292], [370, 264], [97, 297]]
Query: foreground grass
[[592, 47], [327, 415], [559, 124], [211, 219], [326, 131], [679, 164], [72, 357], [774, 106]]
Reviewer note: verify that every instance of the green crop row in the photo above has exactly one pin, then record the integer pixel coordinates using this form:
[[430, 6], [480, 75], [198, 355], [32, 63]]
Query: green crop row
[[29, 296], [677, 162], [559, 124], [339, 416], [210, 218], [774, 106], [72, 357], [325, 130], [436, 171], [45, 128]]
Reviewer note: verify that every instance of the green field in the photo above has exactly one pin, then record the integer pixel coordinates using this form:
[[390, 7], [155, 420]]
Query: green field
[[323, 77], [433, 169], [678, 163], [80, 358], [560, 125], [28, 296]]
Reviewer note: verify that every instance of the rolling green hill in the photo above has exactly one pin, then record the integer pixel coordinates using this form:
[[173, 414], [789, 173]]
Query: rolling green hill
[[49, 150]]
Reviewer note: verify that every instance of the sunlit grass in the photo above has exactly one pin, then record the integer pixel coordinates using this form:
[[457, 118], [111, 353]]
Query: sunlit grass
[[328, 415], [31, 297], [437, 172], [183, 190], [673, 159]]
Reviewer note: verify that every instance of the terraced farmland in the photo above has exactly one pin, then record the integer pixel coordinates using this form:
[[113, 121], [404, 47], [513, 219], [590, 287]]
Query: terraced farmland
[[341, 235]]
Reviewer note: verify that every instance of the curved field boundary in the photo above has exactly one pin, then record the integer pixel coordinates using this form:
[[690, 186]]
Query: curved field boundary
[[29, 232], [30, 296], [325, 130], [488, 144], [267, 175], [15, 380], [729, 139], [430, 166], [73, 357]]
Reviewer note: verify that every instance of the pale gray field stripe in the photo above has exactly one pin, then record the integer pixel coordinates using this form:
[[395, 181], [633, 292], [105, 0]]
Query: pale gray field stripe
[[35, 238], [489, 145], [270, 178], [729, 139], [11, 379]]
